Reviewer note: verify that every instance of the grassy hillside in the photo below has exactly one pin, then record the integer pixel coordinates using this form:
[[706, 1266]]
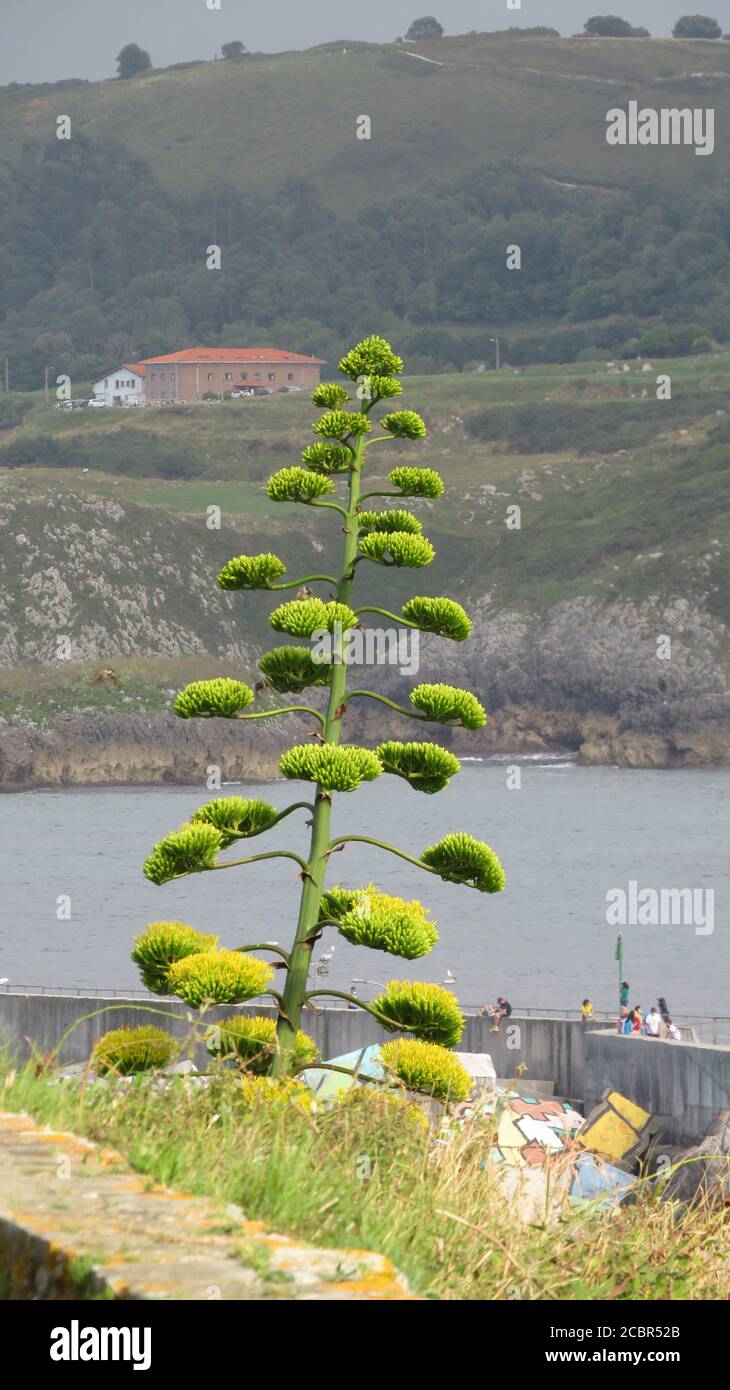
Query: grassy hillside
[[541, 101], [622, 495], [624, 534]]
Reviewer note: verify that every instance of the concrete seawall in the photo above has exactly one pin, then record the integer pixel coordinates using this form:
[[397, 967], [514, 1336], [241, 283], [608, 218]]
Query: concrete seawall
[[549, 1049], [684, 1085]]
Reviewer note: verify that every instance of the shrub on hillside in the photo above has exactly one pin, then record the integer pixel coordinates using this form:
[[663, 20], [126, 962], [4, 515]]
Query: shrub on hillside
[[11, 410], [554, 426], [666, 340]]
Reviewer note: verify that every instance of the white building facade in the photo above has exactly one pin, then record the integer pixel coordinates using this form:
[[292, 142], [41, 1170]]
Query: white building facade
[[125, 386]]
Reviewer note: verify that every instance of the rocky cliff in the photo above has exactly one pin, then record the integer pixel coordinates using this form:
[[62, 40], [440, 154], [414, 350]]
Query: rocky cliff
[[637, 684]]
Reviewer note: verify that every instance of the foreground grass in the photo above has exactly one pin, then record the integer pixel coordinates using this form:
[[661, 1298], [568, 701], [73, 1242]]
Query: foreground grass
[[368, 1173]]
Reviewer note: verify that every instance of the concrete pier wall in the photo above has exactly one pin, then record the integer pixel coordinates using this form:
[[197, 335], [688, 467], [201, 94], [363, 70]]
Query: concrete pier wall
[[550, 1049], [684, 1085]]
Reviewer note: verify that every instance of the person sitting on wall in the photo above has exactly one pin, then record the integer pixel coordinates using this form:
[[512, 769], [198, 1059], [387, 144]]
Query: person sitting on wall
[[672, 1032], [586, 1010], [503, 1010], [652, 1022]]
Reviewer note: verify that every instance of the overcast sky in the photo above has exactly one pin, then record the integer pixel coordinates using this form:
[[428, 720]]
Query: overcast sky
[[46, 40]]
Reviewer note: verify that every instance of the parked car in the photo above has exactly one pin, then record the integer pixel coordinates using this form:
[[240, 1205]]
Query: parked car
[[97, 404]]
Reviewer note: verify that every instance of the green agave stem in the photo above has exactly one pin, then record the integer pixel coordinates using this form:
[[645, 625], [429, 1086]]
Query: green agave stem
[[394, 617], [308, 579], [358, 1003], [286, 709], [253, 859], [265, 946], [366, 495], [301, 953], [383, 700], [381, 844]]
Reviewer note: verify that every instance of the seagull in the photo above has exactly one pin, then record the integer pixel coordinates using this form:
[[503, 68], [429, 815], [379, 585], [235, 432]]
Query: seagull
[[327, 956], [449, 979]]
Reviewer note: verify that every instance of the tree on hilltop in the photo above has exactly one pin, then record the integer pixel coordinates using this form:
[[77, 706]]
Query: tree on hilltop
[[132, 61], [425, 28], [609, 26], [696, 26], [236, 49]]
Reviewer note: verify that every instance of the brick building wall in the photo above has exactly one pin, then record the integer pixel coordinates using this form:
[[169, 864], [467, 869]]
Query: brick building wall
[[190, 381]]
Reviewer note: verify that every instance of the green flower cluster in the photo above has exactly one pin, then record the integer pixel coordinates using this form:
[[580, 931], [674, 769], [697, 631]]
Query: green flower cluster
[[459, 858], [336, 902], [427, 766], [251, 572], [236, 818], [253, 1041], [385, 923], [417, 482], [440, 615], [429, 1011], [217, 699], [395, 519], [423, 1066], [160, 945], [189, 850], [330, 395], [404, 424], [328, 458], [342, 424], [381, 388], [334, 768], [219, 977], [290, 670], [399, 548], [447, 704], [127, 1051], [372, 357], [302, 617], [297, 485]]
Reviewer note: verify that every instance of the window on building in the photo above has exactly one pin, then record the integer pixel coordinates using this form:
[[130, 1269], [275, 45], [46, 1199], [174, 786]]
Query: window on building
[[117, 383], [290, 376], [244, 376], [153, 376], [257, 376], [172, 376], [272, 376], [210, 376], [229, 376]]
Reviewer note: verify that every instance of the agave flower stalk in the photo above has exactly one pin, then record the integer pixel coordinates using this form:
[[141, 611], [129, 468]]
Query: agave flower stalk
[[176, 959]]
